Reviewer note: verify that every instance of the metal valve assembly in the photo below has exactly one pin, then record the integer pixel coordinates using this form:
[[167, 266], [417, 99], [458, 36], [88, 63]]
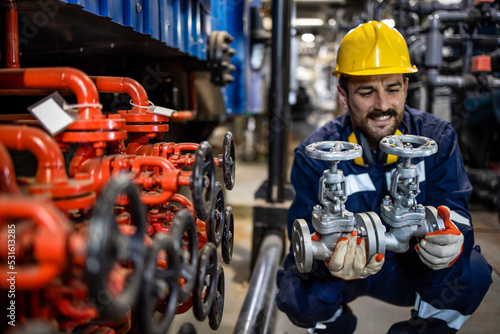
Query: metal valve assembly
[[400, 211]]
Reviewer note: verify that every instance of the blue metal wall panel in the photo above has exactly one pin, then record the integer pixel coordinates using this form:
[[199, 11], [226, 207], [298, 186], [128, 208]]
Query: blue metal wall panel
[[168, 22], [112, 9], [236, 93], [185, 25], [151, 18], [195, 30], [207, 5], [131, 16], [219, 15], [89, 5]]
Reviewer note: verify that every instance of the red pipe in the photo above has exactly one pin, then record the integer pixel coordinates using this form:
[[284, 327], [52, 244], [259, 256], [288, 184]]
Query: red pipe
[[8, 182], [47, 152], [55, 78], [49, 244], [124, 85], [11, 36], [185, 115]]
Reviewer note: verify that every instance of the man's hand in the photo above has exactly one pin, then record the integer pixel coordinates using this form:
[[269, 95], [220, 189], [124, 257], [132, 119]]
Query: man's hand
[[440, 249], [348, 260]]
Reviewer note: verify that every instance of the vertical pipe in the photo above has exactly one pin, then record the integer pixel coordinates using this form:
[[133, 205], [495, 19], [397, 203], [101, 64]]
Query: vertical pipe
[[256, 315], [11, 26], [278, 108]]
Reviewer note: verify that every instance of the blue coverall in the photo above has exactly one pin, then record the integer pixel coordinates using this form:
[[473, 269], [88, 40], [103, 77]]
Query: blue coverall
[[444, 299]]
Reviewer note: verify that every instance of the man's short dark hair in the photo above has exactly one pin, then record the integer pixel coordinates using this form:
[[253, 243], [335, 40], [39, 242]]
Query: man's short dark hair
[[343, 81]]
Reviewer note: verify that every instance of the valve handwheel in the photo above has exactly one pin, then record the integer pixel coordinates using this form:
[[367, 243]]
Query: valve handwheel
[[185, 239], [206, 283], [161, 285], [229, 161], [203, 181], [333, 150], [215, 314], [216, 222], [107, 248], [302, 246], [402, 146], [227, 243]]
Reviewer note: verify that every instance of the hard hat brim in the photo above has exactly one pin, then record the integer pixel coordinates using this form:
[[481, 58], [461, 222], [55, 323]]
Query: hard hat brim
[[378, 71]]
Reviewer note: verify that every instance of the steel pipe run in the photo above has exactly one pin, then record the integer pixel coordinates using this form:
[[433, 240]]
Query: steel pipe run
[[278, 108], [56, 78], [258, 307], [434, 79]]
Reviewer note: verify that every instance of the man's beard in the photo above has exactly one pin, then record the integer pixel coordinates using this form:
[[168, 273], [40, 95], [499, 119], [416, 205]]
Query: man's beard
[[373, 135]]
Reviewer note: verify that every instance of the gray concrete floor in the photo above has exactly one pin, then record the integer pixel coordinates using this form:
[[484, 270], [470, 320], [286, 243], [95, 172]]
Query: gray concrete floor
[[373, 316]]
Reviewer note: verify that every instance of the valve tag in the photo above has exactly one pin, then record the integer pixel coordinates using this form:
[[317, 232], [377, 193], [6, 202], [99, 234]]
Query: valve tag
[[51, 114], [162, 111]]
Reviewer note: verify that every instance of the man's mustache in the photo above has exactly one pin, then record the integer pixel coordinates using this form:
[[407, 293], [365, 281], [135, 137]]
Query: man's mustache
[[388, 112]]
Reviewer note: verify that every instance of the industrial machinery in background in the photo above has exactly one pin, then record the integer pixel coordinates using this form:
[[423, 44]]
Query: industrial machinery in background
[[454, 45], [112, 202]]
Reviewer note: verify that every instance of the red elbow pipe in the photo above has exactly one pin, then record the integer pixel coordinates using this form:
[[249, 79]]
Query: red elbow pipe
[[47, 152], [8, 182], [124, 85], [55, 78]]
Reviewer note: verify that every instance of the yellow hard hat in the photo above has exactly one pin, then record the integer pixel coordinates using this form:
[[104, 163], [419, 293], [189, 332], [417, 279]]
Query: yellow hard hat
[[373, 48]]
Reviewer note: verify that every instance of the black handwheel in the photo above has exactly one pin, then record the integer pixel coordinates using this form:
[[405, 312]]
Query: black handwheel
[[216, 222], [185, 238], [160, 287], [229, 160], [187, 328], [202, 181], [227, 242], [215, 315], [108, 248], [205, 288]]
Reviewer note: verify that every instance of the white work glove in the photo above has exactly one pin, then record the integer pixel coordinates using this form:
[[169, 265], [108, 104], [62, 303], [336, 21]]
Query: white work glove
[[440, 249], [348, 260]]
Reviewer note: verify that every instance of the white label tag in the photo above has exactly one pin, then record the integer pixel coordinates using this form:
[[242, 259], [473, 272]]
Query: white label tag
[[162, 111], [51, 114]]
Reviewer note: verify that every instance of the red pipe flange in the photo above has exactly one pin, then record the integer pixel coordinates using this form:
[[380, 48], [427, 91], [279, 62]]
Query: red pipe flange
[[137, 119]]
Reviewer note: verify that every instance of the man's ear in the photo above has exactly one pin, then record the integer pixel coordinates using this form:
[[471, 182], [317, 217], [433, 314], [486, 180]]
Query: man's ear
[[342, 97]]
